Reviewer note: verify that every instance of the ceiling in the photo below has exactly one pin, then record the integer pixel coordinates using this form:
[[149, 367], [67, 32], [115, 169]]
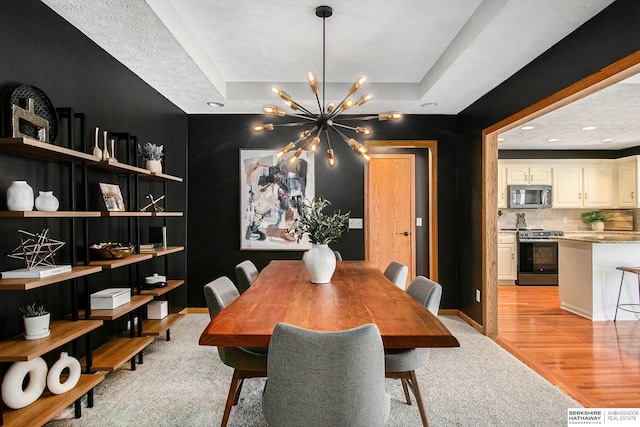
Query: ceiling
[[420, 56]]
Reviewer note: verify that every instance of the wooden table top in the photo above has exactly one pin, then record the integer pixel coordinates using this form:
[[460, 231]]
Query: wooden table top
[[357, 294]]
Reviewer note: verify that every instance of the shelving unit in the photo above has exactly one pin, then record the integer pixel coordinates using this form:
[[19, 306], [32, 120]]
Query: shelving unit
[[118, 350]]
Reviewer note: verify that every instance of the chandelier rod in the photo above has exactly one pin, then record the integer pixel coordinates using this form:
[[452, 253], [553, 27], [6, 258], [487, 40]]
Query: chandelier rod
[[324, 79]]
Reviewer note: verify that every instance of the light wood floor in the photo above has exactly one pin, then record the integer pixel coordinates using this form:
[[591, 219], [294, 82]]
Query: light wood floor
[[596, 363]]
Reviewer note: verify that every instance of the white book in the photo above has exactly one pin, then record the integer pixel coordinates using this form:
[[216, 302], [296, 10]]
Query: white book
[[39, 272]]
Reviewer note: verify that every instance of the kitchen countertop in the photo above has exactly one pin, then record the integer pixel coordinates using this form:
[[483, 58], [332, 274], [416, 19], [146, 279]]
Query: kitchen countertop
[[605, 237]]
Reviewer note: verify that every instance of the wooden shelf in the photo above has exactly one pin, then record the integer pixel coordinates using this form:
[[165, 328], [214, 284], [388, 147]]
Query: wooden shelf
[[137, 301], [164, 176], [116, 352], [56, 214], [167, 251], [17, 349], [171, 285], [141, 214], [33, 149], [156, 327], [49, 405], [26, 284], [114, 166], [109, 264]]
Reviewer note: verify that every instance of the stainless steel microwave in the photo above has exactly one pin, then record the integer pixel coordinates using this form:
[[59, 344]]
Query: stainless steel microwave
[[529, 196]]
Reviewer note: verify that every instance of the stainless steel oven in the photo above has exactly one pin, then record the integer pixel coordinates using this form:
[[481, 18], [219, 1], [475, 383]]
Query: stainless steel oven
[[537, 257]]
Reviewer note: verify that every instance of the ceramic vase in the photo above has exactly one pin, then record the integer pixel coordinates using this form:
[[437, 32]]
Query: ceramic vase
[[20, 196], [46, 201], [14, 394], [154, 166], [320, 262], [53, 377], [37, 327], [597, 226]]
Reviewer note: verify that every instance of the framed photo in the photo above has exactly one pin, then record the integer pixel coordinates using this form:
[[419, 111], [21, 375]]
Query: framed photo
[[272, 194], [112, 197]]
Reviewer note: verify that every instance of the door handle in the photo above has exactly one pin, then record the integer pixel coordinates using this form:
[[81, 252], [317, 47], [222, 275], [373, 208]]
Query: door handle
[[406, 233]]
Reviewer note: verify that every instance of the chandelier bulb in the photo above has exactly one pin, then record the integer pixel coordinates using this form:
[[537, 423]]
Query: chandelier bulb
[[294, 158], [270, 109], [348, 103], [262, 127], [363, 131], [357, 147], [330, 107], [364, 98], [292, 105], [305, 134], [314, 144], [390, 116], [284, 150], [363, 155], [282, 94], [358, 84], [312, 82], [331, 158]]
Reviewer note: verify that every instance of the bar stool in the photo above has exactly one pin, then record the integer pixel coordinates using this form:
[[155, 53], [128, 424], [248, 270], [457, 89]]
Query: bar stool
[[634, 270]]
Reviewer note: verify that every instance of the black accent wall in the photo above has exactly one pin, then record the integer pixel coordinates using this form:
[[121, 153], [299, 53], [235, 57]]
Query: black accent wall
[[39, 48]]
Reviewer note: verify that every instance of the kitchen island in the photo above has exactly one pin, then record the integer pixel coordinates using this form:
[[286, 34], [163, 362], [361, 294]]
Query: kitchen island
[[588, 281]]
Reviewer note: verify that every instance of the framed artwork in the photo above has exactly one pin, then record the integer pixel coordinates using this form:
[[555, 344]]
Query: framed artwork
[[112, 197], [272, 194]]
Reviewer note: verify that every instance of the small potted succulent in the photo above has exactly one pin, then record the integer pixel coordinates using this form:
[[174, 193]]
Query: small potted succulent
[[321, 229], [596, 219], [36, 321], [152, 154]]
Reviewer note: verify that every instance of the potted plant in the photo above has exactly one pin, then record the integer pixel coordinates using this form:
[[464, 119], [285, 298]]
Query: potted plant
[[321, 229], [596, 219], [36, 321], [152, 154]]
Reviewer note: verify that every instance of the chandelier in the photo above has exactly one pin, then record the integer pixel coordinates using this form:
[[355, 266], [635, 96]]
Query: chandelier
[[327, 119]]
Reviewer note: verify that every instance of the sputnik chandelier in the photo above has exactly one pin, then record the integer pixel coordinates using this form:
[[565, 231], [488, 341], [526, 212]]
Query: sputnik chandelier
[[327, 119]]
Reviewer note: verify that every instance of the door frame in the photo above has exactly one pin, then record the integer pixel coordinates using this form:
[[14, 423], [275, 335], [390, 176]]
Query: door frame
[[618, 71], [432, 194]]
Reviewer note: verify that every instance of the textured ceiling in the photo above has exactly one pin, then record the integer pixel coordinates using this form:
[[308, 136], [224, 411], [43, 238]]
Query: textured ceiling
[[420, 56]]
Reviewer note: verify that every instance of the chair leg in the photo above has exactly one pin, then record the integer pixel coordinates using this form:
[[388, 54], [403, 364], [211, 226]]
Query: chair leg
[[236, 383], [416, 392], [238, 391], [406, 390]]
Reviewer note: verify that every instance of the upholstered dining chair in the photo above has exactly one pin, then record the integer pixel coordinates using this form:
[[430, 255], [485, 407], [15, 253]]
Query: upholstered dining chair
[[246, 362], [246, 273], [403, 363], [325, 378], [397, 273]]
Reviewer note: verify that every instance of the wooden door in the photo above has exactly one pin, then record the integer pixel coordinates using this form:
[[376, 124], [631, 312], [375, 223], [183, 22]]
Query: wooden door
[[390, 214]]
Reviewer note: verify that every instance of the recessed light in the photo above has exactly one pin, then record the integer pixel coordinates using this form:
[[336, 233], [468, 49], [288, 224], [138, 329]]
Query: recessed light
[[553, 140], [589, 128], [606, 140], [500, 139], [429, 104], [528, 127], [215, 104]]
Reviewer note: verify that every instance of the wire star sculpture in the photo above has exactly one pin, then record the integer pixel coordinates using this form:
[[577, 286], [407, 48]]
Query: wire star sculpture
[[36, 249]]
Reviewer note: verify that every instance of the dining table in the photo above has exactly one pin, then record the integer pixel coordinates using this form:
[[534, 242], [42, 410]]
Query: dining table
[[357, 294]]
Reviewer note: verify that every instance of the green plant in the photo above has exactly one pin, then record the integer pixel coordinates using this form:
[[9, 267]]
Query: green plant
[[33, 310], [321, 228], [150, 151], [595, 216]]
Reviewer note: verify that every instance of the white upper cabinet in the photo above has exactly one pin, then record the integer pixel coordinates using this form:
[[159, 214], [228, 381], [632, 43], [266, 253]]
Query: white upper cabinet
[[567, 187], [502, 186], [598, 187], [628, 183], [588, 187], [523, 174]]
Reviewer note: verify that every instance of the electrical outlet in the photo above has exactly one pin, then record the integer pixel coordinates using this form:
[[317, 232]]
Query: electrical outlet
[[355, 223], [564, 220], [477, 295], [418, 222]]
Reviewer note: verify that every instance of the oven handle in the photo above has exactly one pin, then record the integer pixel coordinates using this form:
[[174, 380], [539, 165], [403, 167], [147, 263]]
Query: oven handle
[[536, 240]]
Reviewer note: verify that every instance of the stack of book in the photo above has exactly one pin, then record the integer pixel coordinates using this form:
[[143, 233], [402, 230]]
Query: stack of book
[[151, 247]]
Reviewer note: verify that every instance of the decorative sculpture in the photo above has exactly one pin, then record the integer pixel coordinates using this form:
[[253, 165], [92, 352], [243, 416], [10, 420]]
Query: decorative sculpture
[[154, 203], [36, 249], [29, 117]]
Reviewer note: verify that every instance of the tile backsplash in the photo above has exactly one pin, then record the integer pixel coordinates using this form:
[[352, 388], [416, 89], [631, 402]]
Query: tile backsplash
[[554, 219]]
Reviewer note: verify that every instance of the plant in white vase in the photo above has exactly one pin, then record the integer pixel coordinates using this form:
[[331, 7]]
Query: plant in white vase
[[321, 229], [152, 154], [36, 321], [596, 219]]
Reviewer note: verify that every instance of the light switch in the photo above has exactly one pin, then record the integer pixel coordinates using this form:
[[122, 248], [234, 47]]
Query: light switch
[[418, 222], [355, 223]]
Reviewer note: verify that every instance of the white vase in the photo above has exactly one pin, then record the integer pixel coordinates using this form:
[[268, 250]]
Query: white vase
[[37, 327], [20, 196], [320, 262], [154, 166], [47, 202], [597, 226], [53, 377], [16, 396]]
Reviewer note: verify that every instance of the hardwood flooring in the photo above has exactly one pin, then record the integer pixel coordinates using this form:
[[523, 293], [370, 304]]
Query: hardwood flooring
[[596, 363]]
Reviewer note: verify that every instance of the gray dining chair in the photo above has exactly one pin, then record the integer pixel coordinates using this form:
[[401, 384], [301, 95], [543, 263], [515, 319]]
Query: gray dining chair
[[402, 364], [397, 273], [246, 273], [246, 362], [325, 378]]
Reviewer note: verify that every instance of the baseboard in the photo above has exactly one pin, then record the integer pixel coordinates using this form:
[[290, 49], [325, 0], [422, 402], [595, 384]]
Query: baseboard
[[195, 310], [470, 321]]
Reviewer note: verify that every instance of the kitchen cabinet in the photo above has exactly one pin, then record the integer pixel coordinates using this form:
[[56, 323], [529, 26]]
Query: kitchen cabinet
[[502, 186], [523, 174], [628, 183], [582, 187], [507, 259]]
